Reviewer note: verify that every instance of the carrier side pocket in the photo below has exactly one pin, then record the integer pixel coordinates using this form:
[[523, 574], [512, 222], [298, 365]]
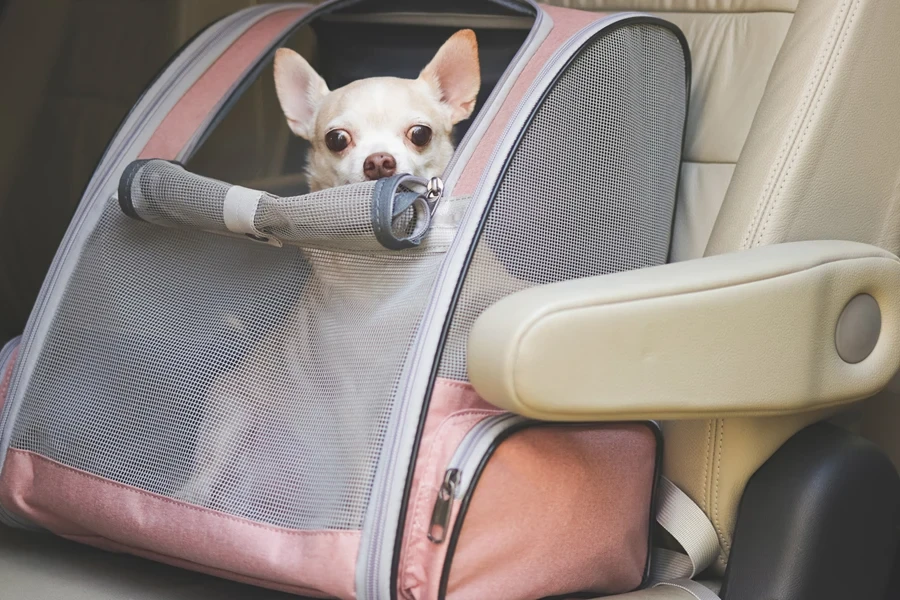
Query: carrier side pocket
[[552, 510]]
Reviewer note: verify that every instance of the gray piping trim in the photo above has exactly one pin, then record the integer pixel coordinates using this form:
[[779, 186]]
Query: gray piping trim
[[436, 20], [698, 591]]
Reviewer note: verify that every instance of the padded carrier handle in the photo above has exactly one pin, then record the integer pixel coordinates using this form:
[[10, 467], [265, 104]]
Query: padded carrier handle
[[394, 213]]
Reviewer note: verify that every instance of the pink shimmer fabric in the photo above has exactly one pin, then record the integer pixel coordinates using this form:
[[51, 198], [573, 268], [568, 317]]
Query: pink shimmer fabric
[[90, 509], [6, 377], [558, 510], [566, 23], [180, 125]]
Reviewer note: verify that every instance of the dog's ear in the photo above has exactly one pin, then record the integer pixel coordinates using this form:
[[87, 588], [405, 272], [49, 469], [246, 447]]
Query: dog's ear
[[455, 74], [300, 91]]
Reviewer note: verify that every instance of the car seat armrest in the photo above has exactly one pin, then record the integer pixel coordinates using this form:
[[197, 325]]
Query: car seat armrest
[[779, 329]]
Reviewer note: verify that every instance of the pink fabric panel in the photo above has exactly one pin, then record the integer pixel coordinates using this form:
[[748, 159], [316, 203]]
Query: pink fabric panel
[[558, 510], [84, 507], [6, 376], [179, 126], [566, 23], [454, 409]]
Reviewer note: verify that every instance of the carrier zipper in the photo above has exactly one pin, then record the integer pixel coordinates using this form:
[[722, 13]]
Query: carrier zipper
[[440, 516], [465, 462], [372, 544]]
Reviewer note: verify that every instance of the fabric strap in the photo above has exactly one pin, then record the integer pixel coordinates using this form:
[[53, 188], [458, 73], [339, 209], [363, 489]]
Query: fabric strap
[[239, 214], [695, 589], [691, 528]]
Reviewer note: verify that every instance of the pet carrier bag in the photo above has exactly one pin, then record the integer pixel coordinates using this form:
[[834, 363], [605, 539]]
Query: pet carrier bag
[[273, 387]]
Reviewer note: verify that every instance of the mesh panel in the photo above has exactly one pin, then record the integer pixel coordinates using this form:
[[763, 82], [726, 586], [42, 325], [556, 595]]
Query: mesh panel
[[252, 380], [591, 188]]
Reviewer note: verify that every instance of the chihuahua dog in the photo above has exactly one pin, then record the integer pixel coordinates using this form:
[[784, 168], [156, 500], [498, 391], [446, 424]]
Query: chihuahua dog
[[374, 128], [367, 130]]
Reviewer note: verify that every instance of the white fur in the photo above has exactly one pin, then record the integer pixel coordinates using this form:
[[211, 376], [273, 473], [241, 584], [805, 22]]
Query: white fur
[[378, 113]]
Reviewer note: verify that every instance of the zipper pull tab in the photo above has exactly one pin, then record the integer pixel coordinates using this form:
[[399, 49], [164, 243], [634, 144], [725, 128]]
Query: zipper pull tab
[[443, 504], [434, 192]]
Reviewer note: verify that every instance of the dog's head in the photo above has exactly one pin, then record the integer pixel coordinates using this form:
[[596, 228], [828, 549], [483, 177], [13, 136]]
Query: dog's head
[[374, 128]]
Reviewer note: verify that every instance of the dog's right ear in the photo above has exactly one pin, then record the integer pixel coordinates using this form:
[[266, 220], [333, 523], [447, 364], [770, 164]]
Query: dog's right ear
[[455, 74], [300, 91]]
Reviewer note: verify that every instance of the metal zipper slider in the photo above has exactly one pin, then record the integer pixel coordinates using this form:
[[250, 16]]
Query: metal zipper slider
[[443, 505], [434, 193]]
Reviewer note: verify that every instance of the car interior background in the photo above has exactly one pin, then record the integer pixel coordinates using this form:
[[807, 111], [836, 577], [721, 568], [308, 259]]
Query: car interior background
[[78, 66]]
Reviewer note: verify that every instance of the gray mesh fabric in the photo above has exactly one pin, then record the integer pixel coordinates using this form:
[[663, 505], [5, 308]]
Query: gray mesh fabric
[[340, 218], [231, 374], [591, 187]]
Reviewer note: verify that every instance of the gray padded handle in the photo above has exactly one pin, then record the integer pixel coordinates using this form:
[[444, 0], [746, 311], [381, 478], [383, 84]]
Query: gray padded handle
[[393, 213], [393, 197]]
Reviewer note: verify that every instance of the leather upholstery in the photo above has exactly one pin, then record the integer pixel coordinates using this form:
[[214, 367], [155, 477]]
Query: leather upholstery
[[734, 44], [820, 161], [633, 345]]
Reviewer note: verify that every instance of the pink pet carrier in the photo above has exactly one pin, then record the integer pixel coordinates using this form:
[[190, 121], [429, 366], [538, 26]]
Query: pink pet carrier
[[271, 386]]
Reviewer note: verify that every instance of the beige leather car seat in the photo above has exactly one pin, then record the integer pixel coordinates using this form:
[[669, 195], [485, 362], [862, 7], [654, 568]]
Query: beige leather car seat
[[793, 135]]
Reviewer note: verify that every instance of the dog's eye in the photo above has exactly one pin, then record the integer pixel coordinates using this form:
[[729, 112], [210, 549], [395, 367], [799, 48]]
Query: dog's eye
[[420, 135], [337, 140]]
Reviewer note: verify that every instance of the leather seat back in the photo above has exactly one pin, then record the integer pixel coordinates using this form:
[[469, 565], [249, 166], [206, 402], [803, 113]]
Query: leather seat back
[[792, 136]]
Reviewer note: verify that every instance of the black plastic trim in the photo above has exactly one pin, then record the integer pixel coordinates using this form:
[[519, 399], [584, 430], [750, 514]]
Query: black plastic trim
[[126, 181], [453, 540], [818, 521], [468, 262]]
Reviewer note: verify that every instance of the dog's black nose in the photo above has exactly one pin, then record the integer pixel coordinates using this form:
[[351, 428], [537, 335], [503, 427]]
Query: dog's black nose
[[379, 166]]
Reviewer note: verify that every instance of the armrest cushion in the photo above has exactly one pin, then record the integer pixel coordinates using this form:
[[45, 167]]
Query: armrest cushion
[[746, 334]]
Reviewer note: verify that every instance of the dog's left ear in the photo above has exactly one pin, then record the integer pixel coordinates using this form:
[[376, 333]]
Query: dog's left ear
[[455, 73]]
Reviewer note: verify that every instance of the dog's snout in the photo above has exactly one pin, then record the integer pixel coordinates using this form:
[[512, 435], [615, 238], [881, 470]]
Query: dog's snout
[[379, 166]]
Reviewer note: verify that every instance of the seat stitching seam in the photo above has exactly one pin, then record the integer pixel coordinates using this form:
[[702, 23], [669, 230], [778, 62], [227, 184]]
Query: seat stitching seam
[[720, 434], [707, 469], [833, 65], [797, 121]]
